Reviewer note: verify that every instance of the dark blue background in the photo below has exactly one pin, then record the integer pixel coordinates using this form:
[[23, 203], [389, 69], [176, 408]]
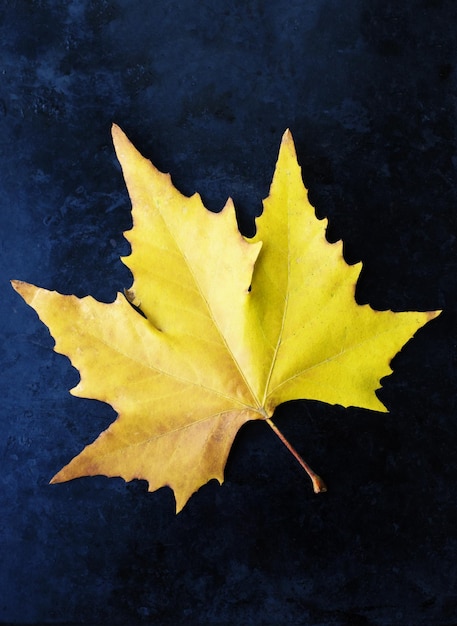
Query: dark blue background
[[206, 89]]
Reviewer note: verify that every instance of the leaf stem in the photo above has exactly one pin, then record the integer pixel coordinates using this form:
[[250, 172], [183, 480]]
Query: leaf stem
[[318, 484]]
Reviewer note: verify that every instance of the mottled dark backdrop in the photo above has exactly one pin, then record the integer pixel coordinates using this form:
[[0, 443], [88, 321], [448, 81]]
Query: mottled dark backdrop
[[206, 89]]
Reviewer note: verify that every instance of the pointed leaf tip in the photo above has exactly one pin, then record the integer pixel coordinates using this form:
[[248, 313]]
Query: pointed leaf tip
[[288, 146], [118, 136], [23, 289], [116, 130]]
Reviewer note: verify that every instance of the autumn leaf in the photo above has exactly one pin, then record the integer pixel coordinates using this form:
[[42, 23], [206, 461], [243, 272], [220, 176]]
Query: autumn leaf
[[222, 329]]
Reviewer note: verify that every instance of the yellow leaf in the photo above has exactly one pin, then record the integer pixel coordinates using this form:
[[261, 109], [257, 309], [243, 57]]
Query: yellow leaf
[[231, 329]]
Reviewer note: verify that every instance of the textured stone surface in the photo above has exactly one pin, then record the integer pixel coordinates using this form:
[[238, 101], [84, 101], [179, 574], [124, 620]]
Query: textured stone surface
[[206, 89]]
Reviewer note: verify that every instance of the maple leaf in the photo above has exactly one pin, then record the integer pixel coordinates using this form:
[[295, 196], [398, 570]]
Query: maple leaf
[[222, 329]]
